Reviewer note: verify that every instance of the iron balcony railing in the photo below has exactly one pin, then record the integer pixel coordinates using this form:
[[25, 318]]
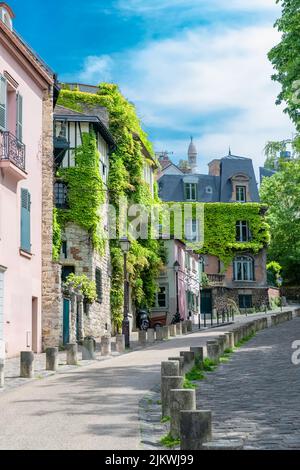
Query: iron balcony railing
[[12, 149]]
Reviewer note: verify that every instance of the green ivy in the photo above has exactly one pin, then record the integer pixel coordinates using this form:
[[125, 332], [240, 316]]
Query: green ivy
[[220, 229], [125, 180], [86, 191], [86, 286], [57, 240]]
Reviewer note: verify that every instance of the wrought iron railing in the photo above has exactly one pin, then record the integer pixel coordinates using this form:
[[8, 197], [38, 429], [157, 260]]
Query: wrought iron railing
[[12, 149]]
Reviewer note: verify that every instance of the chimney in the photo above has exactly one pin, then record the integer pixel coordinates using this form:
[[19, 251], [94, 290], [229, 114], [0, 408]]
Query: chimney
[[215, 168]]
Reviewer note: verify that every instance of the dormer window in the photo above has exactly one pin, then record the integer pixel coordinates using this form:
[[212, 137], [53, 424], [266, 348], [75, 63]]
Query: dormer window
[[241, 194], [190, 191]]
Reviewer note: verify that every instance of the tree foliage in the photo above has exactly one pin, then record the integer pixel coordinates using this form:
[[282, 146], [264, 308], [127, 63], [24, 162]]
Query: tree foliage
[[282, 194], [285, 58]]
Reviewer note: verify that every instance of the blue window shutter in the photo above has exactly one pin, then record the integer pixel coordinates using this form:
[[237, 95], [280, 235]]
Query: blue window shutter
[[3, 104], [19, 123], [25, 220]]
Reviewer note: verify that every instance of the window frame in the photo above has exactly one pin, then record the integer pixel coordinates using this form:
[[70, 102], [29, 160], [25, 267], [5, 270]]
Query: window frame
[[189, 189], [157, 306], [57, 192], [238, 193], [244, 269], [243, 234]]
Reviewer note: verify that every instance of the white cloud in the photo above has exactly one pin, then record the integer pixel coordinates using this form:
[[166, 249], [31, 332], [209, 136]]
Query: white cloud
[[96, 69], [148, 7], [212, 83]]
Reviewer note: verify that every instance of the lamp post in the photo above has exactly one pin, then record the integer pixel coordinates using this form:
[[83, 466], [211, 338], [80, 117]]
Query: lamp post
[[125, 247], [176, 269]]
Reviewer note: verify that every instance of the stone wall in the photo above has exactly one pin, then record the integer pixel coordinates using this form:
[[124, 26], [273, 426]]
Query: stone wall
[[82, 256], [51, 296], [221, 295]]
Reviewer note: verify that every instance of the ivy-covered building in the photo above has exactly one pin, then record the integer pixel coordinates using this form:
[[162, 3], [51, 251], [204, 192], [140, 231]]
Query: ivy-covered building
[[235, 231]]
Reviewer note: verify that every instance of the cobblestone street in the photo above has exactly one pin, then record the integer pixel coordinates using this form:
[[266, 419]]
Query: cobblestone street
[[256, 395]]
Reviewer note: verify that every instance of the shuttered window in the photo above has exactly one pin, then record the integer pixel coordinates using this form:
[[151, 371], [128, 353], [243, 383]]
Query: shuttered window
[[19, 129], [3, 102], [25, 220], [99, 285]]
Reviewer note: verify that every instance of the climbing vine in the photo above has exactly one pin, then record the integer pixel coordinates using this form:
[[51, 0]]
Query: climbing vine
[[85, 193], [125, 180], [57, 237], [220, 229]]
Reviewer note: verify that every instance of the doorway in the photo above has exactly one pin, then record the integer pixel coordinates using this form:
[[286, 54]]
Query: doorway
[[66, 321], [35, 326], [206, 302]]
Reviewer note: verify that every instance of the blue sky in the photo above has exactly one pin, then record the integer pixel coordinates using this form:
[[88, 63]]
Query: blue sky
[[192, 67]]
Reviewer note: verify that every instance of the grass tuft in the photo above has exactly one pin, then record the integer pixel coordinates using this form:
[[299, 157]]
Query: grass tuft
[[169, 442]]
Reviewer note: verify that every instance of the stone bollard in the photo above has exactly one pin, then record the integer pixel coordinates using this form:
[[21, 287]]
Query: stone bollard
[[27, 365], [189, 325], [195, 429], [200, 354], [168, 384], [151, 336], [180, 400], [184, 328], [120, 344], [172, 329], [72, 354], [106, 346], [166, 332], [180, 361], [222, 344], [159, 334], [189, 360], [213, 350], [230, 340], [224, 444], [88, 349], [170, 369], [2, 363], [143, 338], [52, 359], [179, 328]]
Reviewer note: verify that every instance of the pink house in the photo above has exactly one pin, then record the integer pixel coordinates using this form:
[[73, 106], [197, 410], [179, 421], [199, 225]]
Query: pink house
[[26, 85]]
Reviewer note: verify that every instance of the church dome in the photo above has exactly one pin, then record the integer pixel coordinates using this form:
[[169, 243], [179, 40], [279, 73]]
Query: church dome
[[192, 152]]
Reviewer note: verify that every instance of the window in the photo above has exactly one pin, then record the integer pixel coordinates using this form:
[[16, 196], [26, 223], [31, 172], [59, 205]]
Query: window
[[191, 191], [61, 195], [201, 266], [162, 297], [25, 220], [241, 193], [3, 102], [245, 301], [242, 231], [64, 249], [99, 290], [244, 269], [66, 271], [19, 123], [192, 230]]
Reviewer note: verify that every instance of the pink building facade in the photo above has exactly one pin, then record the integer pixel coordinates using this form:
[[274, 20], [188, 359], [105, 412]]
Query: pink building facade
[[25, 85]]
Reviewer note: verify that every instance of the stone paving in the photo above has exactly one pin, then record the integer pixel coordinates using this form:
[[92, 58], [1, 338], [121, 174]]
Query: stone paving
[[254, 397]]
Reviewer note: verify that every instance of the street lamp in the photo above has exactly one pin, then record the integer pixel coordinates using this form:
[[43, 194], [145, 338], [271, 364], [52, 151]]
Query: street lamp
[[125, 247], [176, 269]]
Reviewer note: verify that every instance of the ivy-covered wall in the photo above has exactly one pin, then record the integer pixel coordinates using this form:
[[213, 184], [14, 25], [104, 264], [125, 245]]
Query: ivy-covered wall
[[220, 220], [125, 180]]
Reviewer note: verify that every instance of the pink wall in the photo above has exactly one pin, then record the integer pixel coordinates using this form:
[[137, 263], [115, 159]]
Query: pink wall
[[22, 279]]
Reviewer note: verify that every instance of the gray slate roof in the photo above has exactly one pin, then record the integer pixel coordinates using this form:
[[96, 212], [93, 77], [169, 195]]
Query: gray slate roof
[[264, 173], [211, 188]]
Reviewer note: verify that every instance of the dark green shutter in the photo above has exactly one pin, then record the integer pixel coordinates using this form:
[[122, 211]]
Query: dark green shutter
[[3, 100], [19, 124], [99, 285], [25, 220]]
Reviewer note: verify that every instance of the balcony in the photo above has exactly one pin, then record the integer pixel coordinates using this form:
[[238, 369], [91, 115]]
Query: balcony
[[12, 156], [216, 280]]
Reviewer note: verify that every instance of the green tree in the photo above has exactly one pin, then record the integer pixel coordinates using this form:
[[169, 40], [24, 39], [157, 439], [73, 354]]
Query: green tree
[[282, 194], [285, 58]]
